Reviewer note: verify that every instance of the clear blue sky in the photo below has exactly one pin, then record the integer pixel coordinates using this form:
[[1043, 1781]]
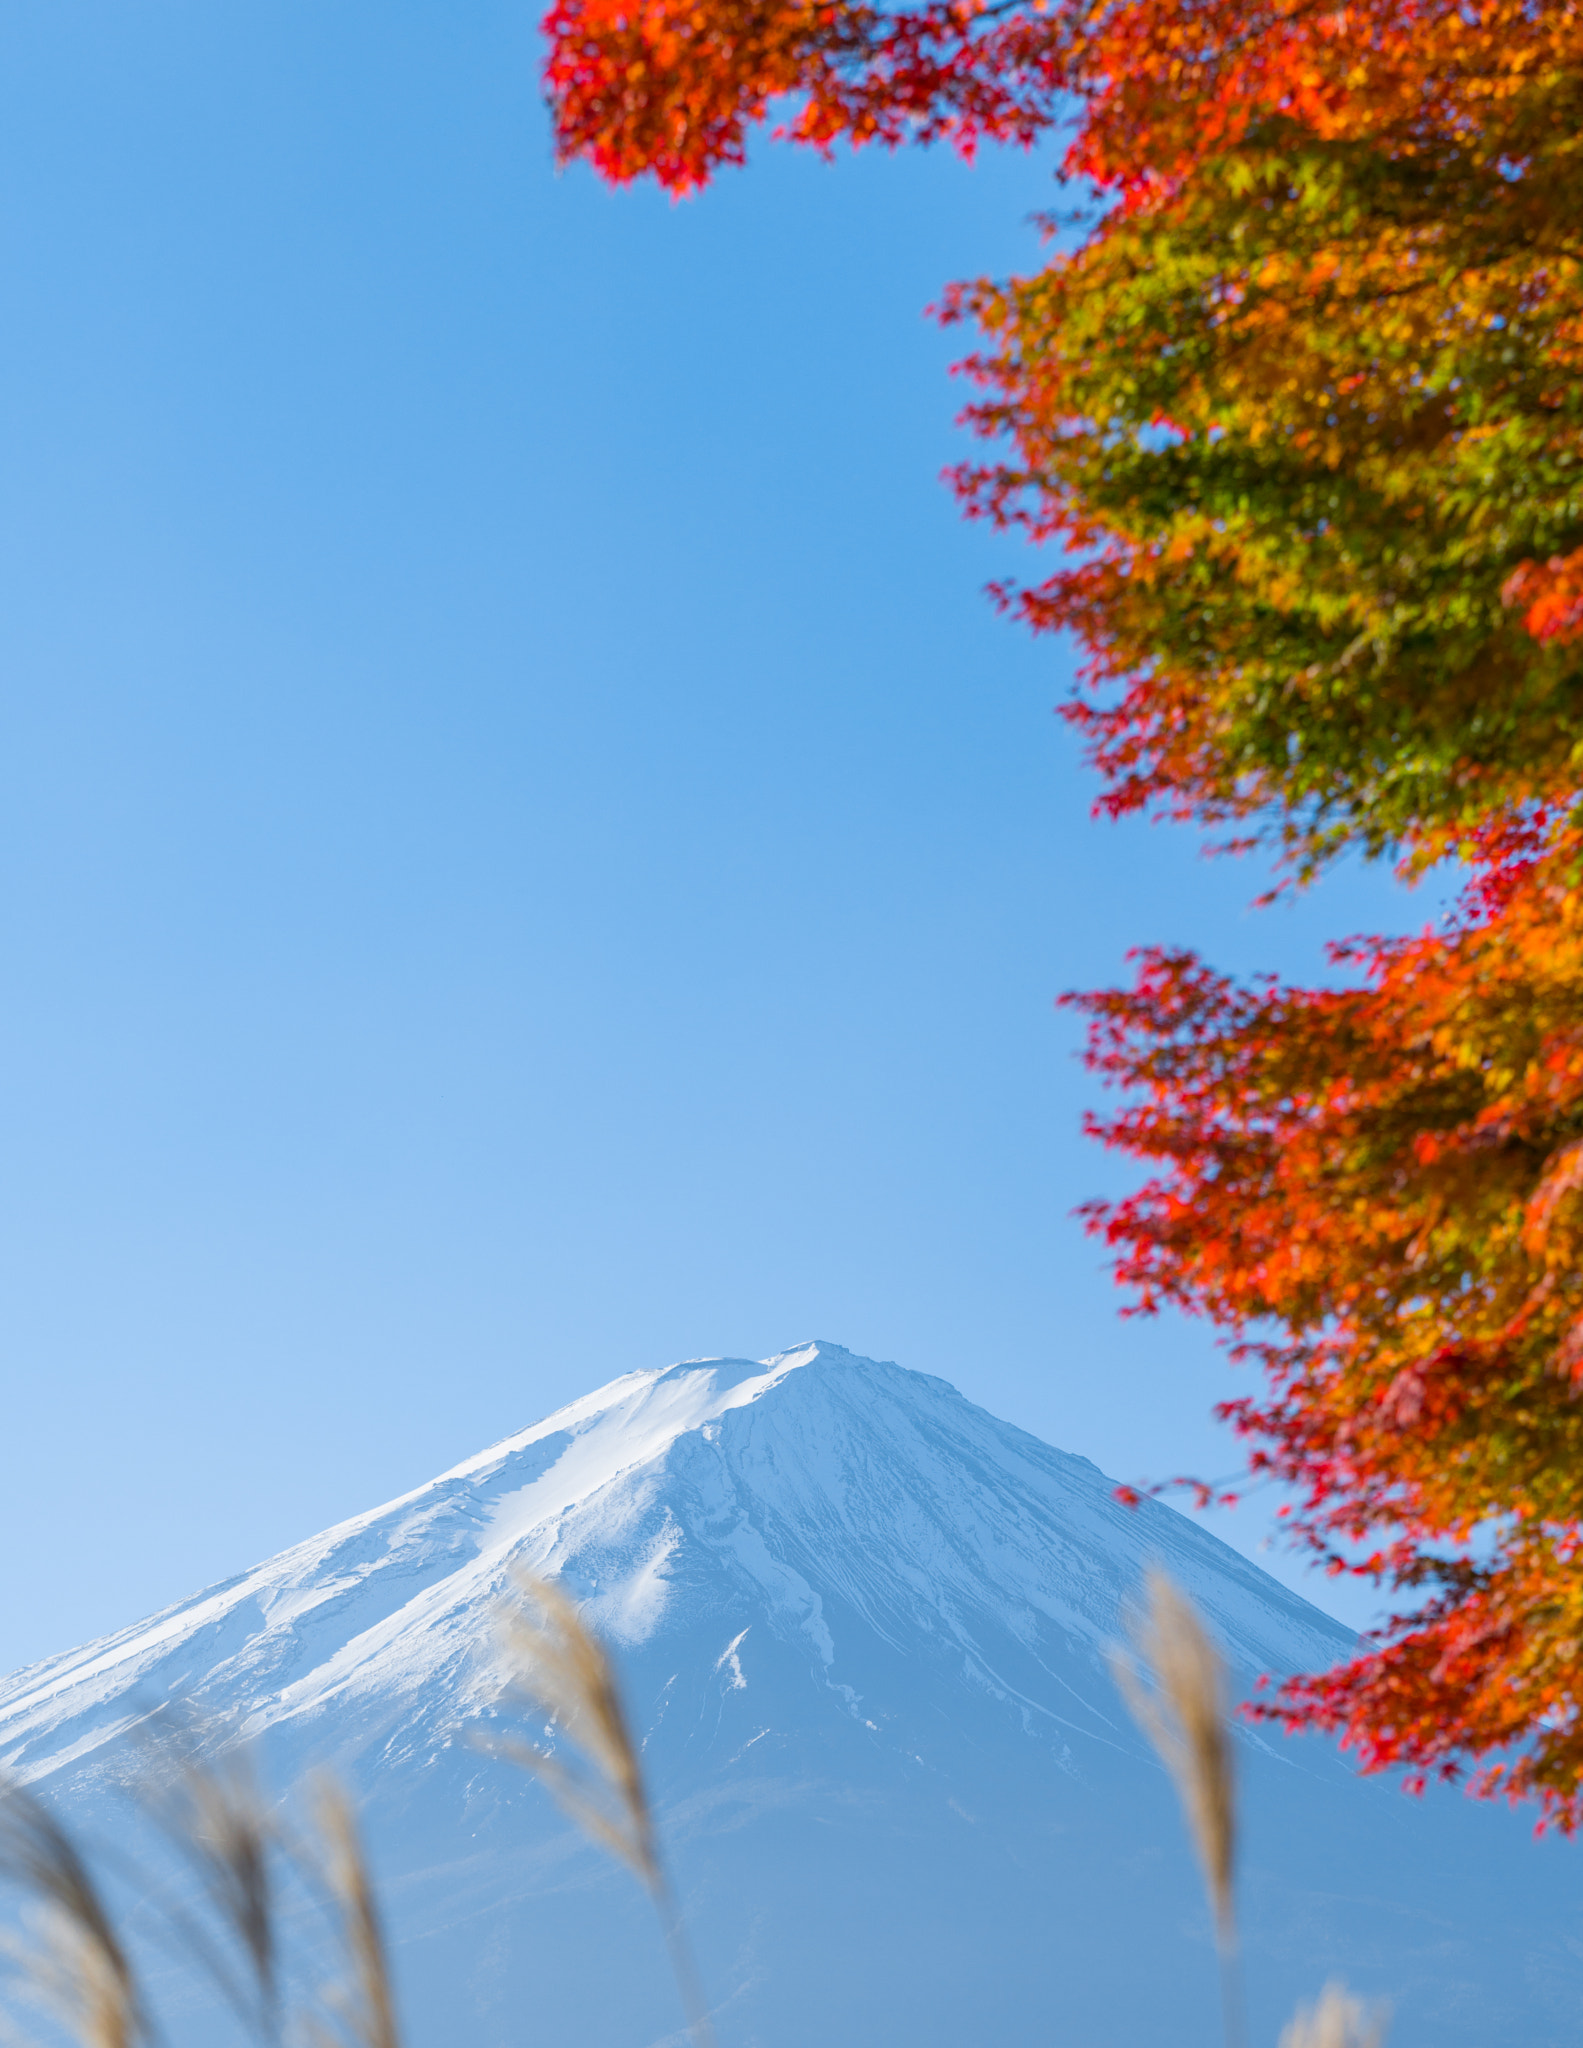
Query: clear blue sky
[[525, 852]]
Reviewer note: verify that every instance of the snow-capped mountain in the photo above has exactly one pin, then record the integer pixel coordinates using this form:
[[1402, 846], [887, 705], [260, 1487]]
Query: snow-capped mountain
[[862, 1626]]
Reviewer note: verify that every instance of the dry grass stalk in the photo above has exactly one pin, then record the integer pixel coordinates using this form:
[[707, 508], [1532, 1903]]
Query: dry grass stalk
[[213, 1816], [70, 1973], [81, 1968], [366, 1999], [1337, 2021], [216, 1818], [560, 1667], [1184, 1714]]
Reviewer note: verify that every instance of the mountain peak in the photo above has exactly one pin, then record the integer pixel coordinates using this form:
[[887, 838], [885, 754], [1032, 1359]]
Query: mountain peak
[[807, 1480], [862, 1628]]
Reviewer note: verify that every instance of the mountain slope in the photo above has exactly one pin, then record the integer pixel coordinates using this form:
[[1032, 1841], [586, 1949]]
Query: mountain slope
[[862, 1625]]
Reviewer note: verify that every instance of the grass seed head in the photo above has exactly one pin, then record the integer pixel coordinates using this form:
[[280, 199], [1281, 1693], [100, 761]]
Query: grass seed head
[[560, 1667], [1337, 2021], [366, 1997], [1184, 1713], [215, 1817], [79, 1966]]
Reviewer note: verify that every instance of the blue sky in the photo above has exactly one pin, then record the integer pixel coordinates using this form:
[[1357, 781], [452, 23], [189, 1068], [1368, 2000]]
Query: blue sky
[[524, 852]]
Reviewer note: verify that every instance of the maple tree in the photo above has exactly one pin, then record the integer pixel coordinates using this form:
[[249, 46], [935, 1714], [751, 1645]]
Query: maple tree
[[1299, 406], [1302, 478], [1378, 1190], [1302, 405], [1304, 410]]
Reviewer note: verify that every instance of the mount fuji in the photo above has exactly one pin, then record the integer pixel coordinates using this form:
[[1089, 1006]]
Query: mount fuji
[[862, 1626]]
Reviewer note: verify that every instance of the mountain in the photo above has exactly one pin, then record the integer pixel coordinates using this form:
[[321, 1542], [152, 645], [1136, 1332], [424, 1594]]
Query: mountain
[[862, 1626]]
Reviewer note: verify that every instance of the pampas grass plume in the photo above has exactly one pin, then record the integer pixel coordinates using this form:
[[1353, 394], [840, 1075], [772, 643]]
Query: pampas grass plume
[[1183, 1711], [214, 1816], [560, 1667], [80, 1968], [1184, 1714], [365, 1996], [1337, 2021]]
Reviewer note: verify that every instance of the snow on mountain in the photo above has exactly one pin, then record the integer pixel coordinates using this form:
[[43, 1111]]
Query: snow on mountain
[[895, 1493], [862, 1626]]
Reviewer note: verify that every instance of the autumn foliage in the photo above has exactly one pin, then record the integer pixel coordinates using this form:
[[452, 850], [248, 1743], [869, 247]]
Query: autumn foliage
[[1377, 1191], [1298, 410], [670, 88]]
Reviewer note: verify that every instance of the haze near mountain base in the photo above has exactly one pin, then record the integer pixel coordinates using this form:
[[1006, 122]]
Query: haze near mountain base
[[862, 1628]]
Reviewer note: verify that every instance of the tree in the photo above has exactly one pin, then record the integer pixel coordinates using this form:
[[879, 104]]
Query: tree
[[1305, 431], [1303, 404], [1301, 408], [1377, 1191]]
